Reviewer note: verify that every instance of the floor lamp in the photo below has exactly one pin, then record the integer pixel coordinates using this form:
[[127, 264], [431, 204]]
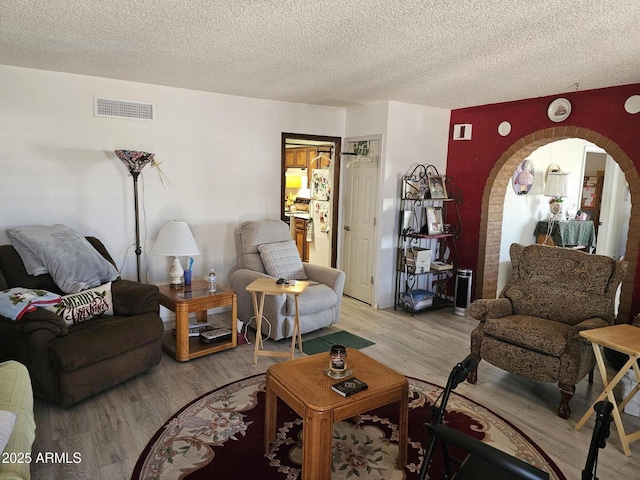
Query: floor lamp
[[135, 161]]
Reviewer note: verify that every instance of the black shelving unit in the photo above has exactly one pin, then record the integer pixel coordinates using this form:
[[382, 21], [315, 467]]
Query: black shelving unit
[[429, 221]]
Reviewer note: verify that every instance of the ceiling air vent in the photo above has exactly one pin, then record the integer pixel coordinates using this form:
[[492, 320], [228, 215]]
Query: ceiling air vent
[[106, 107]]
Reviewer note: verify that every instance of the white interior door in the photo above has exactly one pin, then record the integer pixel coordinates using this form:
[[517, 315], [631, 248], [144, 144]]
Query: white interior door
[[360, 194]]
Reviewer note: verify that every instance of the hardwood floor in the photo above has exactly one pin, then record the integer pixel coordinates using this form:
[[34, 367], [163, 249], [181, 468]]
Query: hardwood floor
[[111, 429]]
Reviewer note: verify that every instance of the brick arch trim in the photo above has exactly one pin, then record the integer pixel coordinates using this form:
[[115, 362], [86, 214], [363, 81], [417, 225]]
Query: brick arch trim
[[493, 204]]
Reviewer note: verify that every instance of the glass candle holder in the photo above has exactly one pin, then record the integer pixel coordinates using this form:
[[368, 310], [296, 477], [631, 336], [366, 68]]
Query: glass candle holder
[[338, 359]]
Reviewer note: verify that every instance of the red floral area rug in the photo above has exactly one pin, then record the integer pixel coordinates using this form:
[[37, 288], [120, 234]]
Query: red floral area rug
[[220, 435]]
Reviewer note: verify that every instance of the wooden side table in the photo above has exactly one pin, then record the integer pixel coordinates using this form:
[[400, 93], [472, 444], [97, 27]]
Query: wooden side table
[[259, 289], [195, 298], [625, 339], [303, 385]]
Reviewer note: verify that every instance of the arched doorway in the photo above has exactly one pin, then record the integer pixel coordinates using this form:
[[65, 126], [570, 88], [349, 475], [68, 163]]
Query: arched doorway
[[492, 207]]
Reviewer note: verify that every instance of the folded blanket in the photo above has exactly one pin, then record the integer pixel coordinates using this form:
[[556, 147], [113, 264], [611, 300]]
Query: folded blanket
[[17, 301], [67, 256]]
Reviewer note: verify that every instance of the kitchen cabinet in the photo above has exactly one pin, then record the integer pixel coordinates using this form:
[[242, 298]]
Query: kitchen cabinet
[[296, 157], [301, 238]]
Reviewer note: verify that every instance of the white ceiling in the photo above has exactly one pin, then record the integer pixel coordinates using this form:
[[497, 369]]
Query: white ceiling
[[440, 53]]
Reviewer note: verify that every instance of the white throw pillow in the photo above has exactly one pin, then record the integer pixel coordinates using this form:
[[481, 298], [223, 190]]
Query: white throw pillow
[[7, 422], [82, 306], [282, 260]]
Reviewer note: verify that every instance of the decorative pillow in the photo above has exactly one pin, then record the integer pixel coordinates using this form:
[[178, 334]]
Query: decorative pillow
[[282, 260], [17, 301], [7, 422], [83, 306]]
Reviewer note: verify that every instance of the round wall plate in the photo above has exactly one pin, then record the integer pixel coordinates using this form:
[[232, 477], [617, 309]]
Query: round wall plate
[[632, 105], [504, 128], [559, 110]]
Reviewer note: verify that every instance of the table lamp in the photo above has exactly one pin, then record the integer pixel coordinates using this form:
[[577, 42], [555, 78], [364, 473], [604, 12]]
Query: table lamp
[[556, 187], [175, 240]]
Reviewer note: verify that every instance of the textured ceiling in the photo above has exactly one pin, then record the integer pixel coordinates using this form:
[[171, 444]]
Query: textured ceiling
[[440, 53]]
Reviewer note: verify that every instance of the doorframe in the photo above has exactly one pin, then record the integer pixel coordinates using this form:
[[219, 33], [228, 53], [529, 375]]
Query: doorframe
[[337, 141]]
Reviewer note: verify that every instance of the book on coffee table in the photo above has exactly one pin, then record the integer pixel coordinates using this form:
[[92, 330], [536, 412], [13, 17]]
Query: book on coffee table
[[349, 386]]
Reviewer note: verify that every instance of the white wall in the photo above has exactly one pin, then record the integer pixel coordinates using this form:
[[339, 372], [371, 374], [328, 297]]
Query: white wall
[[521, 213], [415, 134], [411, 134], [220, 152]]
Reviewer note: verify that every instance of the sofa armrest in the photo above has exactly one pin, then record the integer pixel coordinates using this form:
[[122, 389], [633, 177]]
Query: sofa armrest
[[240, 279], [587, 324], [134, 298], [273, 304], [331, 277], [484, 308], [17, 396], [39, 319]]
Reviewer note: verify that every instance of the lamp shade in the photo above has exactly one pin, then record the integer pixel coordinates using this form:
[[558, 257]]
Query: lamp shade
[[176, 240], [557, 185], [134, 160]]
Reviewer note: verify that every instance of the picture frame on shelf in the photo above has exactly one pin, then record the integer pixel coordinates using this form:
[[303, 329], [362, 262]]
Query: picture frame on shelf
[[435, 223], [408, 220], [437, 187], [412, 188]]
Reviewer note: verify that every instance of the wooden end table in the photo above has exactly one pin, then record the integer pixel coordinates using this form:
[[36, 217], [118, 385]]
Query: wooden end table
[[195, 298], [625, 339], [259, 289], [303, 385]]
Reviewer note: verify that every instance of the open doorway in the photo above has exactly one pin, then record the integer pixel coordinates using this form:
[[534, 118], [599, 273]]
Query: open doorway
[[526, 215], [606, 196], [309, 194], [492, 218]]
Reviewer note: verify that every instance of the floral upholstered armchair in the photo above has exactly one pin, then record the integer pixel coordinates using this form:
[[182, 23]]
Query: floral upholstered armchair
[[532, 329]]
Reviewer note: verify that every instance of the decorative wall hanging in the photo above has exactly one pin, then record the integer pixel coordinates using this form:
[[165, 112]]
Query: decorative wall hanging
[[504, 129], [559, 110], [552, 168], [523, 177], [632, 105]]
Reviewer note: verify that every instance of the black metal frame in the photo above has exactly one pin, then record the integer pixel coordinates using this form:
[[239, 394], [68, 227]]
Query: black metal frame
[[482, 461]]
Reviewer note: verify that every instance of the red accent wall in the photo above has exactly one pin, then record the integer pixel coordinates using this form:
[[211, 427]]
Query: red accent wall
[[469, 162]]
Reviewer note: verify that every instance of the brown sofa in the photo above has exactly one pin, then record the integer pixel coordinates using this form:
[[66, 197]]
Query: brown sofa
[[70, 363], [533, 328]]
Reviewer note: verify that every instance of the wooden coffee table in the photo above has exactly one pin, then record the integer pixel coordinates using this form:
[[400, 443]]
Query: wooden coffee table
[[303, 385]]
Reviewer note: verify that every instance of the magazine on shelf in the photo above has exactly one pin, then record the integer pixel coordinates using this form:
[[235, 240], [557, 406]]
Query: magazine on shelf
[[195, 329], [438, 265]]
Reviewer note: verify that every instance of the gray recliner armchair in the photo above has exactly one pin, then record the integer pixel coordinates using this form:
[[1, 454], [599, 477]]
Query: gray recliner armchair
[[265, 249]]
